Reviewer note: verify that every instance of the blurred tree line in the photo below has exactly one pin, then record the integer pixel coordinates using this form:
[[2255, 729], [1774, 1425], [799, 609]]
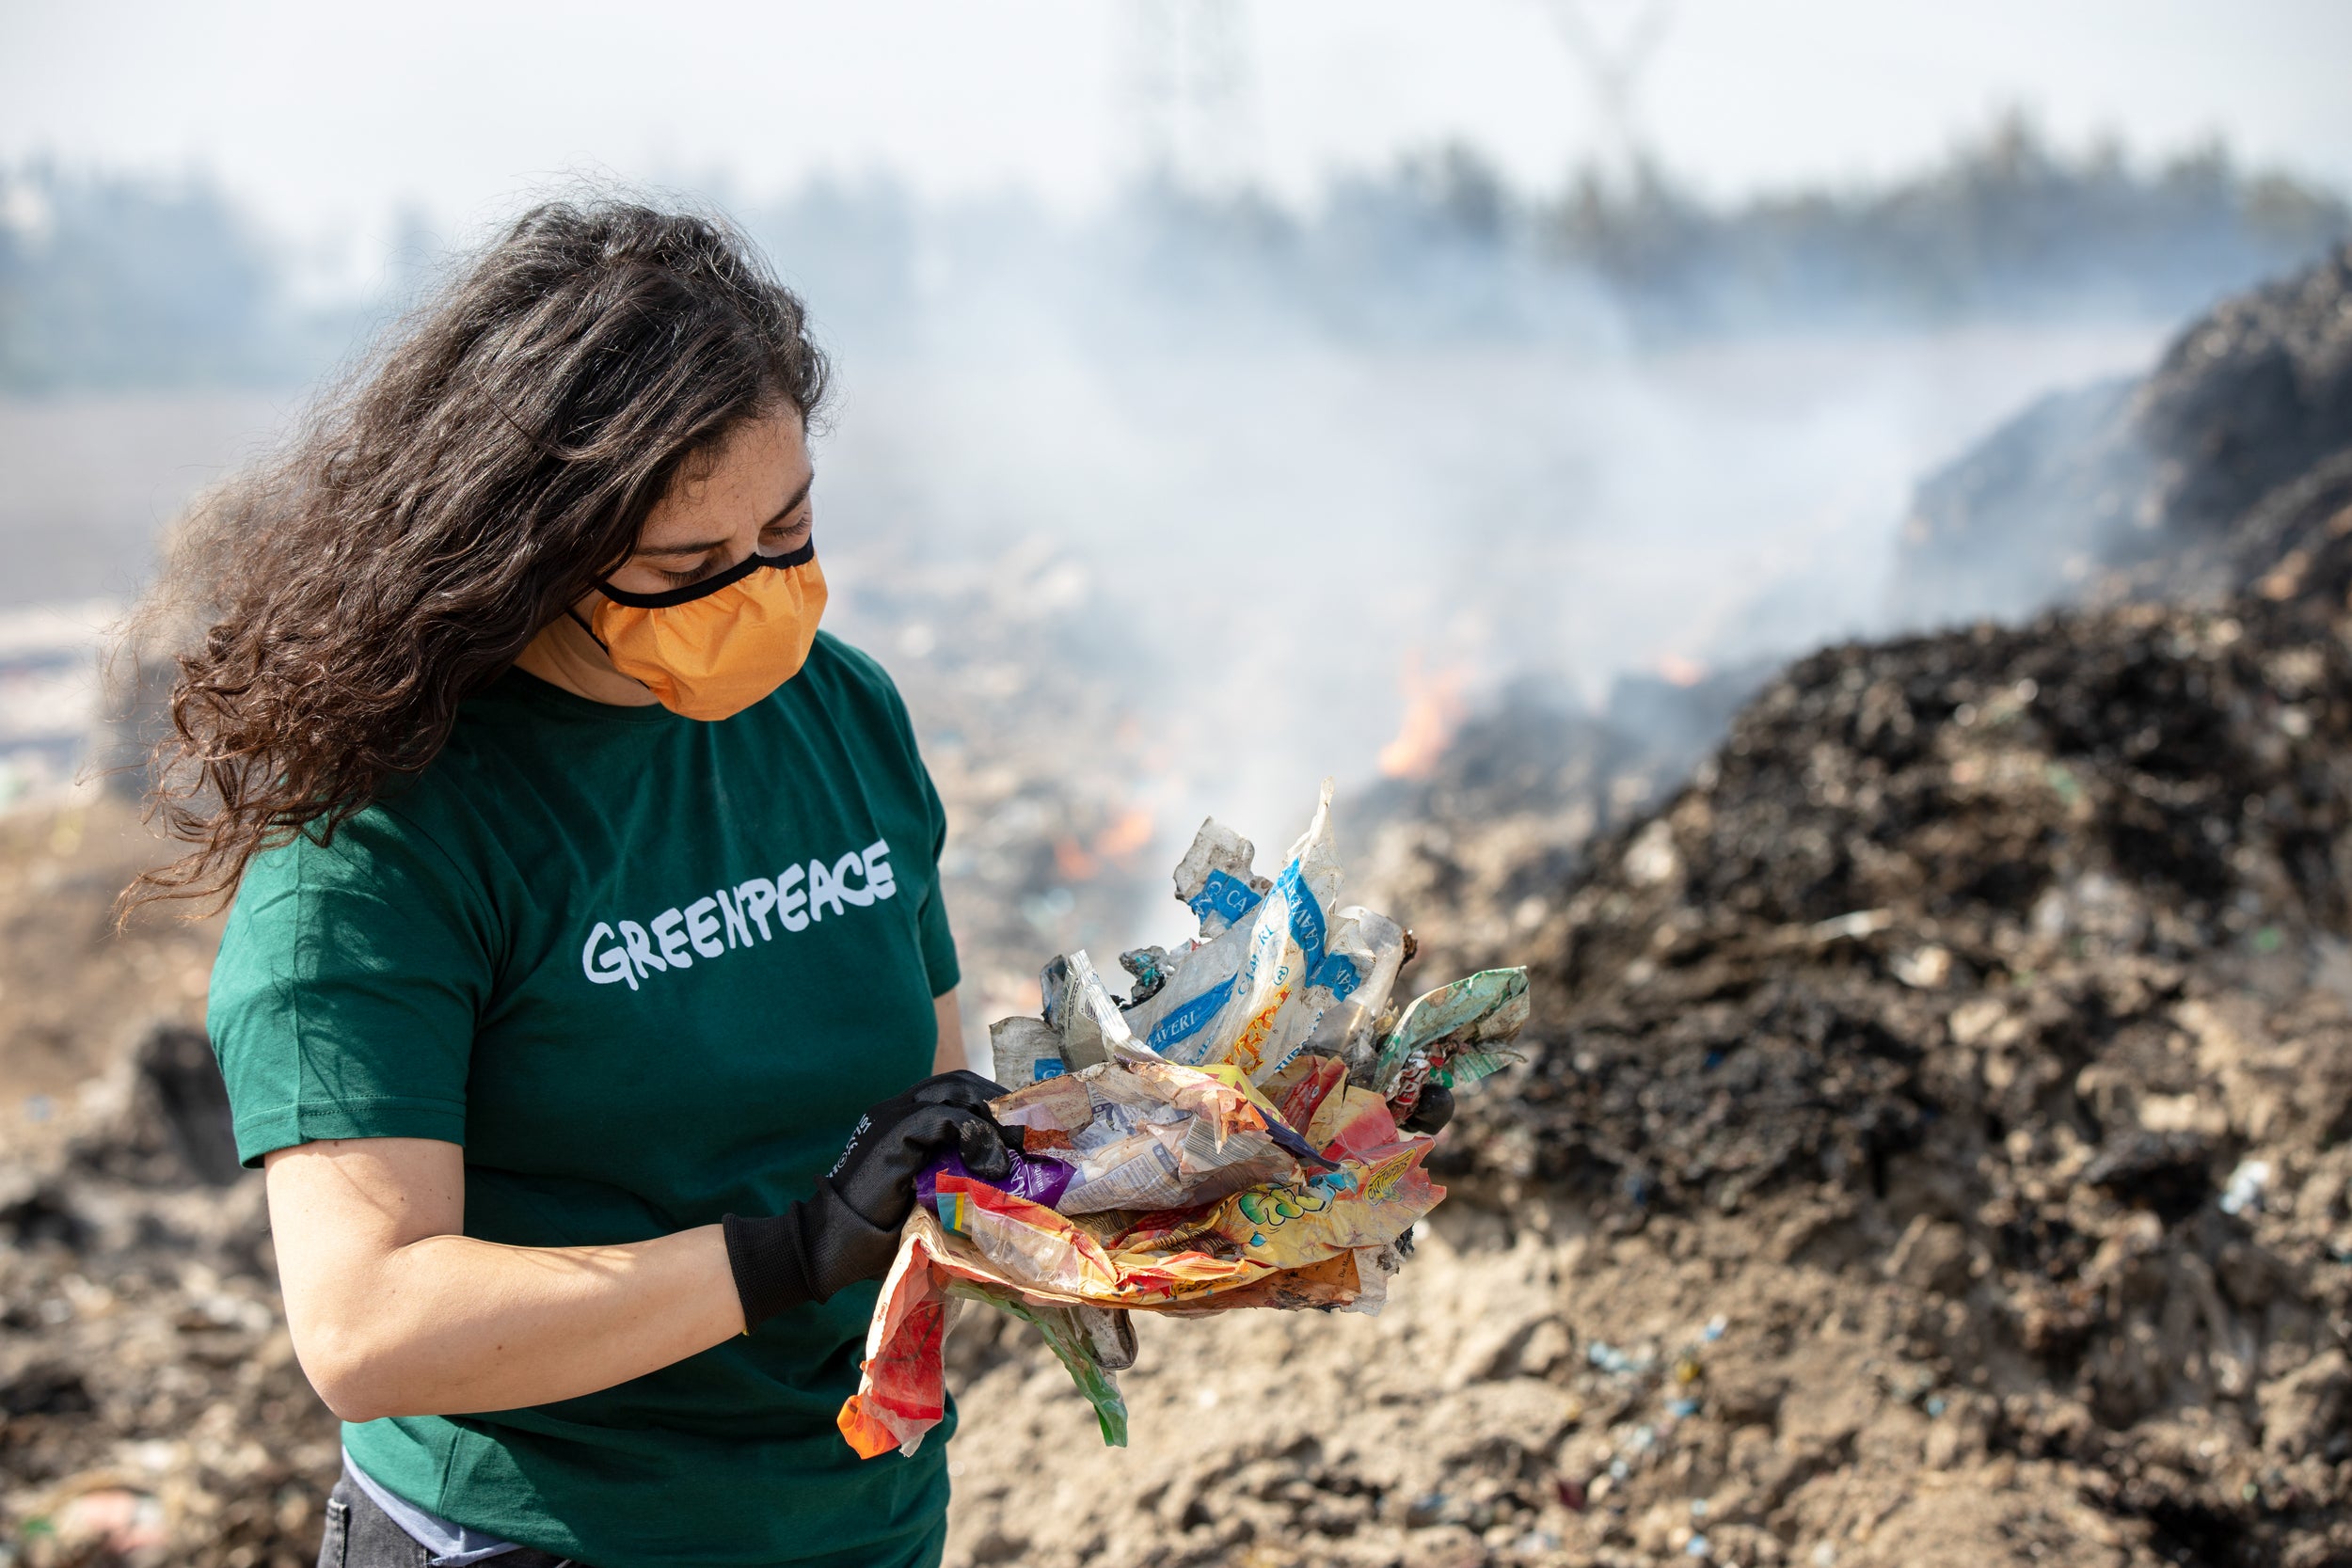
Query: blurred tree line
[[115, 280]]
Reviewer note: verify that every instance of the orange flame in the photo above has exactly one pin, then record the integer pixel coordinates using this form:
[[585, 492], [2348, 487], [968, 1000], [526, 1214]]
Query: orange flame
[[1433, 710], [1072, 862], [1675, 669], [1127, 837]]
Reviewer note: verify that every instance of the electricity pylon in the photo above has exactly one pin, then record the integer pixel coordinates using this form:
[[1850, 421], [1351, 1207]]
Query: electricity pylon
[[1614, 66]]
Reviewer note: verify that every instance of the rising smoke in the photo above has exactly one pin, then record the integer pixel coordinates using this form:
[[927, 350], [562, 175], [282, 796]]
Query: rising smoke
[[1305, 488], [1306, 532]]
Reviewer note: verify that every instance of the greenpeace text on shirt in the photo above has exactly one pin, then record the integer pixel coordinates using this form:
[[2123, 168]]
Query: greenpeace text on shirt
[[726, 918]]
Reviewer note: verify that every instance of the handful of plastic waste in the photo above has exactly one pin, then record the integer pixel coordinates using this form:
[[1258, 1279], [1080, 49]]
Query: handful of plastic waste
[[1228, 1136]]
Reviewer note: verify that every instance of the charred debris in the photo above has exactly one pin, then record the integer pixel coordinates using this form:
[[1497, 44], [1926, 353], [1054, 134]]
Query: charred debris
[[2004, 972]]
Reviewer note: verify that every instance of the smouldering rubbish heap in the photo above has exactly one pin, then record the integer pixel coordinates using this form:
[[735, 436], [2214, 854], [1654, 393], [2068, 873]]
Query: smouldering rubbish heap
[[1227, 1138]]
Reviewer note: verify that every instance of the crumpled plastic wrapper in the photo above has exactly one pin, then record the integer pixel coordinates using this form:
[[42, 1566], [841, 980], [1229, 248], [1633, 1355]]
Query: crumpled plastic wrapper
[[1229, 1137]]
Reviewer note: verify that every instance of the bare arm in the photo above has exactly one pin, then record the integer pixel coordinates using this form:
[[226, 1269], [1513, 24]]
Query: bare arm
[[949, 1055], [395, 1313]]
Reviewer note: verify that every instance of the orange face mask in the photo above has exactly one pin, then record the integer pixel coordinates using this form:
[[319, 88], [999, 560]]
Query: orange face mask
[[713, 648]]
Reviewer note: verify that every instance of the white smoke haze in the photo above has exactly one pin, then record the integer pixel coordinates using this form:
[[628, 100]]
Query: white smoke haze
[[1265, 543], [1291, 491]]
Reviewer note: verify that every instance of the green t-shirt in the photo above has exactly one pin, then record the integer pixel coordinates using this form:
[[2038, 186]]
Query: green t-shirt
[[648, 971]]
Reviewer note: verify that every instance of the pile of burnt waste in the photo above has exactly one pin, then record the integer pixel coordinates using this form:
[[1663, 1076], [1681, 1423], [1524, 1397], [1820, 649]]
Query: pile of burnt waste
[[1932, 1151], [151, 1406], [2010, 965], [1504, 815], [2148, 483]]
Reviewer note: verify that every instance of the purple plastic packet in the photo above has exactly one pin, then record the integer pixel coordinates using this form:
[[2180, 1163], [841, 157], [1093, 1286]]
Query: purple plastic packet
[[1038, 1181]]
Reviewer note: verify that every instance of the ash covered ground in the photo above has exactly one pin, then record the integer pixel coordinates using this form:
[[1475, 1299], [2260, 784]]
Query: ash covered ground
[[1931, 1152]]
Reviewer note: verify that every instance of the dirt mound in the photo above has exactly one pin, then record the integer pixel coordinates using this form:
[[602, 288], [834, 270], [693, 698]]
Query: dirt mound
[[150, 1407], [2146, 792], [1503, 817], [1931, 1157], [2149, 477], [1934, 1148]]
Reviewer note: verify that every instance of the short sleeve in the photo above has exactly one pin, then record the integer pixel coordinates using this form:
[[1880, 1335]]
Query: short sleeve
[[349, 985], [939, 943]]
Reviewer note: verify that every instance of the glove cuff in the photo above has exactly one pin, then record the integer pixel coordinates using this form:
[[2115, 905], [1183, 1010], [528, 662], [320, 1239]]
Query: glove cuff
[[814, 1248], [769, 1256]]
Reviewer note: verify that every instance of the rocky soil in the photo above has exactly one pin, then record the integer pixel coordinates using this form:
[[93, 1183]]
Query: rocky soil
[[150, 1409]]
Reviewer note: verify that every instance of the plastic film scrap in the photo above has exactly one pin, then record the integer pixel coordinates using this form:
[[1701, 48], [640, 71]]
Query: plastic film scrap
[[1227, 1138], [1455, 1034]]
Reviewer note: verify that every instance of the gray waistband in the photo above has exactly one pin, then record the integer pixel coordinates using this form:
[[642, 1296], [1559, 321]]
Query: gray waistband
[[452, 1545]]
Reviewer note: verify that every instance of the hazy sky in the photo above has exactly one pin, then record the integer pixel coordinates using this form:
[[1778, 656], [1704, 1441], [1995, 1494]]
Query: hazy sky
[[330, 114]]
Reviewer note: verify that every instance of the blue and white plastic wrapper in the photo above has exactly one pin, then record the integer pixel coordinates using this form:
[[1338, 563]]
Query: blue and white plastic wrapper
[[1349, 1027], [1218, 880], [1022, 1051], [1215, 879], [1179, 1023], [1081, 1007], [1256, 989]]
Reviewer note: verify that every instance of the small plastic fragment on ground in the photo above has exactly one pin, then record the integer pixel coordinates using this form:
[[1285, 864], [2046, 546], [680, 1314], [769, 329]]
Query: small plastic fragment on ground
[[1609, 1358], [2246, 1184]]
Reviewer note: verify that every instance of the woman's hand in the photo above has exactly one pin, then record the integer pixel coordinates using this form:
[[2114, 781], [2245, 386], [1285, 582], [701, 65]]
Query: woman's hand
[[893, 1143], [849, 1230]]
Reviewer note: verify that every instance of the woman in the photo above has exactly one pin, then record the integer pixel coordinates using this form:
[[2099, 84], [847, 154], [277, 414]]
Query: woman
[[588, 996]]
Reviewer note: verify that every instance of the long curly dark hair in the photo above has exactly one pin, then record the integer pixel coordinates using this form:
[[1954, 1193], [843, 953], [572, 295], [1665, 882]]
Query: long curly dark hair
[[475, 475]]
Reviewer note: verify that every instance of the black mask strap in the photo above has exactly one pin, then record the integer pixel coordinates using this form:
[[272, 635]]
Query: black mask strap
[[583, 621], [711, 584]]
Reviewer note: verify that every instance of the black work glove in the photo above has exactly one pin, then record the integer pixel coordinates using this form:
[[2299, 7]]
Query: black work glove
[[1433, 1110], [848, 1229]]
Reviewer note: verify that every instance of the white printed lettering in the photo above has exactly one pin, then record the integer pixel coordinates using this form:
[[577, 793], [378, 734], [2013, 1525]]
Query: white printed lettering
[[641, 951], [717, 923], [822, 889], [757, 897], [611, 965], [738, 930], [673, 941], [790, 901], [702, 928]]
